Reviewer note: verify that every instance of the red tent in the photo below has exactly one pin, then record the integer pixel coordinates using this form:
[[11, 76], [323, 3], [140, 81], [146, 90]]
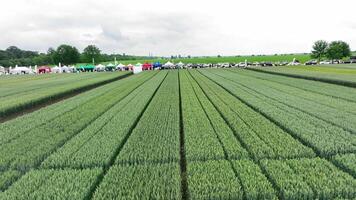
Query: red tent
[[44, 69], [147, 66]]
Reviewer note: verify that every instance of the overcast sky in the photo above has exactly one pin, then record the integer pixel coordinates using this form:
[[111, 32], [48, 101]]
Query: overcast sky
[[171, 27]]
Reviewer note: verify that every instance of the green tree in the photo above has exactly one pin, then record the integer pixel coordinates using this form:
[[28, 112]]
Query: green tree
[[338, 50], [66, 55], [91, 52], [319, 49]]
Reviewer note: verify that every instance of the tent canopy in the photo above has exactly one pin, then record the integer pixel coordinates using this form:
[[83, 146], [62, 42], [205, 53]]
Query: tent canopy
[[180, 64], [147, 65], [90, 67], [120, 65], [168, 64], [110, 65], [157, 64]]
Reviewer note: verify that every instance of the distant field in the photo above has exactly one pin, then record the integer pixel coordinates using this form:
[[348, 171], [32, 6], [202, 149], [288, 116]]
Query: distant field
[[232, 59], [339, 74], [21, 92]]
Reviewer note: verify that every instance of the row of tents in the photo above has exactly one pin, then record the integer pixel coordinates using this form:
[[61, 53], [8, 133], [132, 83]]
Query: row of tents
[[137, 68]]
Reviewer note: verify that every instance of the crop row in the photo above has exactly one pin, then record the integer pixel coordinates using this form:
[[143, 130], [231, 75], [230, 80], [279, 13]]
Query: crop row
[[53, 184], [343, 77], [262, 138], [97, 144], [156, 136], [324, 137], [42, 93], [346, 162], [336, 91], [207, 136], [8, 177], [32, 147], [335, 111], [309, 179]]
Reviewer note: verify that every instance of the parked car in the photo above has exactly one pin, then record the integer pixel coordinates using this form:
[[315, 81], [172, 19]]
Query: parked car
[[325, 62], [266, 64], [311, 62], [242, 64]]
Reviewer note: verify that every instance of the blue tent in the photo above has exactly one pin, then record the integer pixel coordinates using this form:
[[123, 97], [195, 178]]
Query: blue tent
[[157, 65]]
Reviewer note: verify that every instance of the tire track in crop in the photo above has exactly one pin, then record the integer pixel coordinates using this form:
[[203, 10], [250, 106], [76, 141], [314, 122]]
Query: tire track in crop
[[119, 147], [286, 129], [183, 160], [243, 144]]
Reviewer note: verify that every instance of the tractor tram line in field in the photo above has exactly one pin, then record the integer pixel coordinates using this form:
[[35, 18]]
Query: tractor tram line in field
[[183, 159]]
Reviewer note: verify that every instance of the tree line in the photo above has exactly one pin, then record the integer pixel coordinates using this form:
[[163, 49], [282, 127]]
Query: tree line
[[335, 50], [64, 54]]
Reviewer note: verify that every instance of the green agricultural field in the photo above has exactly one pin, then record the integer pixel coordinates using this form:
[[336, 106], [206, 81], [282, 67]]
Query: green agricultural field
[[18, 93], [338, 74], [187, 134]]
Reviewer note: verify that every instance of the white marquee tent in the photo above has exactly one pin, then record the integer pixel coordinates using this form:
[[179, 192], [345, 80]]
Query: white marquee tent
[[2, 70], [137, 68], [99, 68], [120, 66], [21, 70], [180, 65], [168, 65], [56, 69]]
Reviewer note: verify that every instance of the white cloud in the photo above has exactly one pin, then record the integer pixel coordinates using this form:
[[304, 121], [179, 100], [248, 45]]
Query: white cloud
[[165, 27]]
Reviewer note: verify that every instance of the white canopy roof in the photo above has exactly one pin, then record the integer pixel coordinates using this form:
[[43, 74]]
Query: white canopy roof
[[120, 65], [138, 65], [110, 65], [22, 68], [100, 66], [180, 64], [168, 64], [130, 65]]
